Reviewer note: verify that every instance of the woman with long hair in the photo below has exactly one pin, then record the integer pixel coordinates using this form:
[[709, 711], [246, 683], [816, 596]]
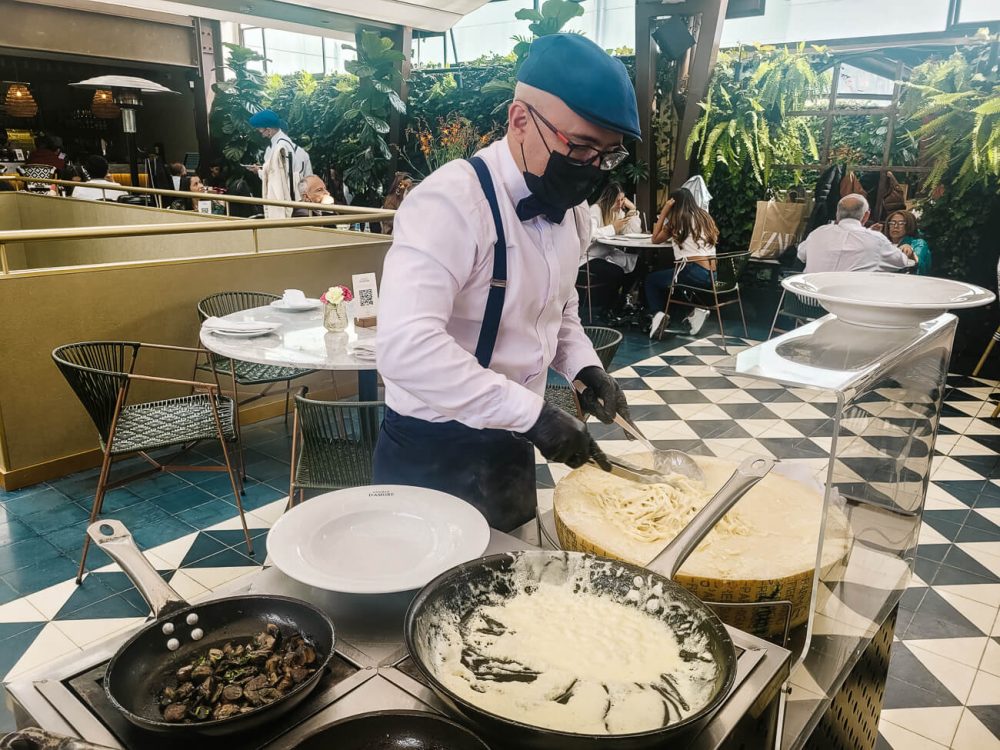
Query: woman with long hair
[[401, 184], [612, 270], [902, 230], [693, 233]]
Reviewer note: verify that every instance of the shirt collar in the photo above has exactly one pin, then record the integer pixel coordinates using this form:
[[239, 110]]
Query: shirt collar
[[276, 136], [510, 175], [850, 224]]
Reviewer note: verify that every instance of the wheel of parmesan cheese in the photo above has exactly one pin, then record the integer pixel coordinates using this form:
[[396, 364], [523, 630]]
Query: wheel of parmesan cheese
[[763, 550]]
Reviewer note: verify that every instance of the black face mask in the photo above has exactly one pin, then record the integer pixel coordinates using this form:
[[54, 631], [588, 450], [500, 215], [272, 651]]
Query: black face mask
[[563, 184]]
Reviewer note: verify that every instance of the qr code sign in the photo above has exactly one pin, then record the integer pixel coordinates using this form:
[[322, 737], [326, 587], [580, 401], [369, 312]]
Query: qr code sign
[[366, 297]]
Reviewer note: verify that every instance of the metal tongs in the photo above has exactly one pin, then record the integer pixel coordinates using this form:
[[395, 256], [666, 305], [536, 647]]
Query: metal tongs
[[665, 461]]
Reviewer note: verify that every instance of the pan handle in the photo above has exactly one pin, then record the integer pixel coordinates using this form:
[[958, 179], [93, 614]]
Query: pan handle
[[116, 540], [747, 474], [34, 738]]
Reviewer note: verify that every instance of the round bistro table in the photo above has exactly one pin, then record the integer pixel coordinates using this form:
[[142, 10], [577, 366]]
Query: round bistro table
[[301, 341]]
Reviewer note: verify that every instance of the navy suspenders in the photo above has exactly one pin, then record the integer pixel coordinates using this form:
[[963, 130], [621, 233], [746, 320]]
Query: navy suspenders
[[498, 284]]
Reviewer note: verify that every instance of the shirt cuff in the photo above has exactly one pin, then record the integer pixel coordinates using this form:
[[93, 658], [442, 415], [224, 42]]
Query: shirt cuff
[[524, 406]]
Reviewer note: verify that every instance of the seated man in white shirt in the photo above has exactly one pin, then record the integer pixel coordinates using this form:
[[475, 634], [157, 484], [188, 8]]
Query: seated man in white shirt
[[849, 246], [95, 187]]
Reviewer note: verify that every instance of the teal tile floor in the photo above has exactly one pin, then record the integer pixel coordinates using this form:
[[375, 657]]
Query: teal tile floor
[[187, 522]]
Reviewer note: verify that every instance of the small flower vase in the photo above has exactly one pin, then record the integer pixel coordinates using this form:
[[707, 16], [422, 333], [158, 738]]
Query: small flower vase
[[335, 317]]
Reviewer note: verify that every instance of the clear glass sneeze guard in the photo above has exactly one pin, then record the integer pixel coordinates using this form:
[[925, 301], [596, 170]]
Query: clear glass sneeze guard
[[882, 388]]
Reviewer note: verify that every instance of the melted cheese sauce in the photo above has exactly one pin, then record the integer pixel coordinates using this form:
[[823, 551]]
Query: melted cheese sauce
[[576, 662]]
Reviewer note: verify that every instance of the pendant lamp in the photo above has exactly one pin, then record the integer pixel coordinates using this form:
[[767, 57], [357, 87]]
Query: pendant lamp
[[19, 102], [104, 105]]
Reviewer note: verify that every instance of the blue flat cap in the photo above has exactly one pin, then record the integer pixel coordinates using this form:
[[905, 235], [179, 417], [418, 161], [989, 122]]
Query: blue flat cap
[[591, 82], [265, 119]]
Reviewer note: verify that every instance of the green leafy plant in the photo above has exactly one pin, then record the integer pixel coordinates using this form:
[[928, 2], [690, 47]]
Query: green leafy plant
[[362, 111], [746, 123], [549, 19], [955, 104], [236, 99]]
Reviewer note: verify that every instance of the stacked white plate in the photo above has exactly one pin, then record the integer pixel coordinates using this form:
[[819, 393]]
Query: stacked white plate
[[241, 329]]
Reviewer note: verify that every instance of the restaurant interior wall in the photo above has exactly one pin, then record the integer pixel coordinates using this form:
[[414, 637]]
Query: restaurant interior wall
[[44, 432], [64, 111]]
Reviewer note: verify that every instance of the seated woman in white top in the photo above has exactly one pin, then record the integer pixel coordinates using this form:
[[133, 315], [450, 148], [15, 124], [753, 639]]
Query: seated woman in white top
[[693, 234], [612, 270]]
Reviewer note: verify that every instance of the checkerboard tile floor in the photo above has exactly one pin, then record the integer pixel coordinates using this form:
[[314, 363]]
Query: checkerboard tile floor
[[944, 684]]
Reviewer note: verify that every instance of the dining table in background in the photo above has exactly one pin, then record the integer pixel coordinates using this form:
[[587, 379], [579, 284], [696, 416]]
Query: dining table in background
[[301, 341]]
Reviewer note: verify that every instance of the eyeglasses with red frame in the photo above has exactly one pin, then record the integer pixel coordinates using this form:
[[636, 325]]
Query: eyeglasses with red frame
[[581, 154]]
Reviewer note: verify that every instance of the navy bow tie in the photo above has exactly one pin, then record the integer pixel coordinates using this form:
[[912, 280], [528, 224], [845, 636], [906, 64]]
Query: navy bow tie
[[533, 206]]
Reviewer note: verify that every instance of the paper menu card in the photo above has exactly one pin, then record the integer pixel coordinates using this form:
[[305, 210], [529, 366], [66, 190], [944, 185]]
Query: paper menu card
[[365, 295]]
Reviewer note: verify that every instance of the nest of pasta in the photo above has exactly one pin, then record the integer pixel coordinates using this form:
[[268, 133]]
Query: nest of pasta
[[763, 550]]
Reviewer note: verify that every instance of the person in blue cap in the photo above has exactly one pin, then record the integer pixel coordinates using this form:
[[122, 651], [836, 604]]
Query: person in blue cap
[[478, 293], [285, 164]]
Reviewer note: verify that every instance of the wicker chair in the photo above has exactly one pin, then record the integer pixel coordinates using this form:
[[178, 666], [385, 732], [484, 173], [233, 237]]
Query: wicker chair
[[332, 444], [797, 308], [246, 374], [725, 290], [40, 171], [101, 374], [606, 342]]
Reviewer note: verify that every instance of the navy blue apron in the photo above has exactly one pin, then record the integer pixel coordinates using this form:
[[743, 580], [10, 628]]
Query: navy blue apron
[[494, 470]]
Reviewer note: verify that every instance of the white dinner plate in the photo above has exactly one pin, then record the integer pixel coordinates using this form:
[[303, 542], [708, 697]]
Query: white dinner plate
[[307, 304], [886, 300], [637, 236], [376, 540], [242, 334]]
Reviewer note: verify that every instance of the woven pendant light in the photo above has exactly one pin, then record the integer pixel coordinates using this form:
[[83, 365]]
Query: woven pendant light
[[19, 102], [104, 105]]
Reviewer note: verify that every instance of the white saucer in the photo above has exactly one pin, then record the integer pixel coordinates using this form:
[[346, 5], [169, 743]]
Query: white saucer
[[307, 304]]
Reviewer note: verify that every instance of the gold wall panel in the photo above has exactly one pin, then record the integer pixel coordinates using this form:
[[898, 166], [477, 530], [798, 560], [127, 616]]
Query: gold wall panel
[[43, 423]]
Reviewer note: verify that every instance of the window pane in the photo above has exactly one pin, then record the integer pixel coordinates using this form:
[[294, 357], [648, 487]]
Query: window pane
[[979, 11]]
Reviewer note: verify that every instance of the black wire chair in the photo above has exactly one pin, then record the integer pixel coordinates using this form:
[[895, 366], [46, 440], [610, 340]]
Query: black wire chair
[[332, 444], [606, 342], [101, 374], [246, 374]]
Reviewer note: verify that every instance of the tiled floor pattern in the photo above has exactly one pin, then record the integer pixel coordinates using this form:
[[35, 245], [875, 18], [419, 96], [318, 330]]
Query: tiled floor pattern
[[944, 685]]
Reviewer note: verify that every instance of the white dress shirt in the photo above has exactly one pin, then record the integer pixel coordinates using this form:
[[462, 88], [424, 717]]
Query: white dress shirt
[[96, 190], [609, 253], [274, 173], [433, 298], [848, 246]]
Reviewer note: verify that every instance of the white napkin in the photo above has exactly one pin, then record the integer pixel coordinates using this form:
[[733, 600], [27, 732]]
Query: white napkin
[[241, 326], [294, 296], [362, 349]]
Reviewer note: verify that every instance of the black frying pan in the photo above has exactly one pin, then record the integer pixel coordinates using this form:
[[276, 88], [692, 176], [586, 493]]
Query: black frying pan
[[457, 593], [393, 730], [141, 667]]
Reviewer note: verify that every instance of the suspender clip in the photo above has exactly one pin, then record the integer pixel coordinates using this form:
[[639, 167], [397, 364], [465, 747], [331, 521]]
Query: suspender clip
[[498, 283]]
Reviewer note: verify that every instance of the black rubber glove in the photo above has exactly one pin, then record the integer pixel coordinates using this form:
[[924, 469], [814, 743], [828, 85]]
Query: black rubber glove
[[564, 438], [603, 396]]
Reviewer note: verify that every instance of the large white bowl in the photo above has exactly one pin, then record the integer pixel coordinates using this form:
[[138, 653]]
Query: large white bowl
[[377, 539], [886, 300]]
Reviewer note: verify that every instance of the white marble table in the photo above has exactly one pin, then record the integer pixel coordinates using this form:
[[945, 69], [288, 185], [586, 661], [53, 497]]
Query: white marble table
[[302, 341], [628, 243]]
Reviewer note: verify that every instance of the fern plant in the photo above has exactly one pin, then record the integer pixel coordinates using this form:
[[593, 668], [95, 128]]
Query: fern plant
[[954, 105], [746, 122]]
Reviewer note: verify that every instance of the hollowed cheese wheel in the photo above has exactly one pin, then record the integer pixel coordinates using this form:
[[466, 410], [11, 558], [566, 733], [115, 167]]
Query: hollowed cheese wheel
[[775, 561]]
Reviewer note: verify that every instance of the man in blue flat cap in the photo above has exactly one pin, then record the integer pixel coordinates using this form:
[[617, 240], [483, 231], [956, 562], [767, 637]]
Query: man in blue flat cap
[[479, 298], [285, 164]]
